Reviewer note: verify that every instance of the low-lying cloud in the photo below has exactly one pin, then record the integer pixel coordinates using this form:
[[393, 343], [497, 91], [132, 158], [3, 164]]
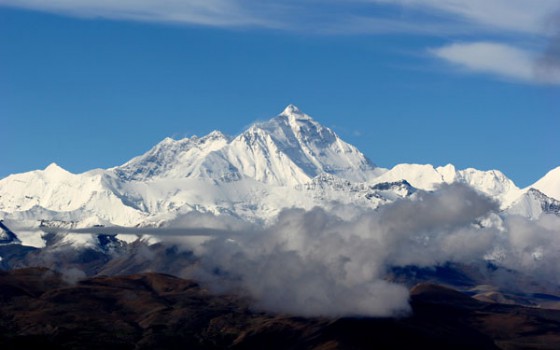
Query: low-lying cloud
[[313, 263]]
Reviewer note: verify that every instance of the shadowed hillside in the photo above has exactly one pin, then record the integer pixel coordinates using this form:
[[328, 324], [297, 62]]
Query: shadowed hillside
[[39, 306]]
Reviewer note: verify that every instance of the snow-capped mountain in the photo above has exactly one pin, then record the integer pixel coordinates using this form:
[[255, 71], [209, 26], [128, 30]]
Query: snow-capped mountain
[[289, 149], [289, 161], [54, 190], [493, 183], [292, 149], [549, 184], [533, 203], [253, 176]]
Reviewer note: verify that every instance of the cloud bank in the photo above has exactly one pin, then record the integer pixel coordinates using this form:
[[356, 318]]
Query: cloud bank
[[313, 263]]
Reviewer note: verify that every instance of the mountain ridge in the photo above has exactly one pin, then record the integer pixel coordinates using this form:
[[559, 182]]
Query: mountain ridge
[[290, 160]]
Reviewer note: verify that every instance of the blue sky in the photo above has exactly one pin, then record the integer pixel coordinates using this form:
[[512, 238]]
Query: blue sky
[[90, 84]]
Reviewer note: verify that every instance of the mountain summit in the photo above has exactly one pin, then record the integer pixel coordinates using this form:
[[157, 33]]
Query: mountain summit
[[550, 183], [293, 111]]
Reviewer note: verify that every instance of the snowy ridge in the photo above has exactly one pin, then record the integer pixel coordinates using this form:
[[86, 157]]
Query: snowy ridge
[[549, 184], [533, 204], [174, 159], [493, 183], [289, 161], [57, 190], [327, 187], [309, 147], [289, 149]]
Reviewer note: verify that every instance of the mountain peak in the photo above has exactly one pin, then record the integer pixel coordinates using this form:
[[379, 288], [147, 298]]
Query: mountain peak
[[294, 112], [54, 168], [550, 183], [216, 134], [54, 171], [168, 140]]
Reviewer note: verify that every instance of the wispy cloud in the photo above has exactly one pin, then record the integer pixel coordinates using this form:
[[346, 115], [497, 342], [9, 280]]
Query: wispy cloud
[[513, 21], [548, 63], [498, 59], [380, 15], [509, 15], [219, 13]]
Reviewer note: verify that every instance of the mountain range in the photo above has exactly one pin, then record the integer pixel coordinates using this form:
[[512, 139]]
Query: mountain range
[[288, 161], [308, 244]]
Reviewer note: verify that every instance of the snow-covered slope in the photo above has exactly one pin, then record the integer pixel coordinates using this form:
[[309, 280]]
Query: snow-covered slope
[[188, 157], [543, 197], [533, 203], [293, 148], [75, 196], [7, 236], [289, 149], [427, 177], [549, 184]]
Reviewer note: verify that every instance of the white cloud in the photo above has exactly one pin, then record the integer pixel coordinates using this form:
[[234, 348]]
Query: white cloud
[[313, 263], [511, 15], [221, 13], [498, 59]]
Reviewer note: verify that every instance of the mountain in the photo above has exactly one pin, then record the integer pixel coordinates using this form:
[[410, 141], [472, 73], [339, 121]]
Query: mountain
[[542, 197], [73, 196], [493, 183], [288, 161], [289, 149], [293, 148], [549, 184], [533, 203]]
